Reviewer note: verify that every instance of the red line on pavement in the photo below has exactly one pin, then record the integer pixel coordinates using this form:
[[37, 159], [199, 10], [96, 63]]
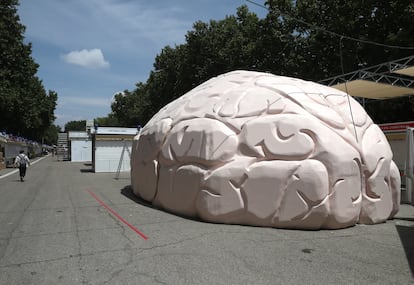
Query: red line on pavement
[[117, 215]]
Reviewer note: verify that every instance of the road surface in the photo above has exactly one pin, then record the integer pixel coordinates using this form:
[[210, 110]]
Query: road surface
[[67, 225]]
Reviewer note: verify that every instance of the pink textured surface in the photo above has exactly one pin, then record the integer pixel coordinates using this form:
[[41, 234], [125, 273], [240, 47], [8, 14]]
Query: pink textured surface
[[258, 149]]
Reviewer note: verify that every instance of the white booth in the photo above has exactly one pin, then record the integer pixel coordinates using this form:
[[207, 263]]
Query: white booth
[[401, 138], [80, 146], [111, 148]]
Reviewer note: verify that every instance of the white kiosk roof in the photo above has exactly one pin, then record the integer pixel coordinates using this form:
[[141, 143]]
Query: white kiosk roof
[[115, 131]]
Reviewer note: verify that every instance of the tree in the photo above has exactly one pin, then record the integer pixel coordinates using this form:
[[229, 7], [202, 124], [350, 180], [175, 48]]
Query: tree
[[130, 108], [279, 50], [75, 126], [308, 39], [211, 49], [220, 46], [344, 36], [51, 135], [326, 31], [25, 107], [108, 121]]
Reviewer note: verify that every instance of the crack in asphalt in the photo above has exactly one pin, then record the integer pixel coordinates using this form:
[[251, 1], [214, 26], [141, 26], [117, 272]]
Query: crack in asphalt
[[75, 221]]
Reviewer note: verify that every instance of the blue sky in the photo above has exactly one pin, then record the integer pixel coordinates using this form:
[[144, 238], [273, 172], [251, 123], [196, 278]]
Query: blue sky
[[88, 50]]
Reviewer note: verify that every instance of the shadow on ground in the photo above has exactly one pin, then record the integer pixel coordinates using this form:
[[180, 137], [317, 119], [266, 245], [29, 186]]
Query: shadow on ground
[[406, 234], [87, 170], [128, 192]]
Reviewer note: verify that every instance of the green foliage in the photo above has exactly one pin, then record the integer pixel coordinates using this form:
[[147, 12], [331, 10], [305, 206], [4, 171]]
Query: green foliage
[[25, 107], [211, 49], [108, 121], [51, 135], [321, 23], [387, 22], [75, 126], [296, 38], [390, 111], [129, 108]]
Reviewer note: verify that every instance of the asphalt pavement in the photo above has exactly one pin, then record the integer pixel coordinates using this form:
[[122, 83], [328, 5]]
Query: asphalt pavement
[[67, 225]]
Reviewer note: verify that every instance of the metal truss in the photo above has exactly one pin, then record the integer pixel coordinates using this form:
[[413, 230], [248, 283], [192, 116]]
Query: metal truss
[[381, 73]]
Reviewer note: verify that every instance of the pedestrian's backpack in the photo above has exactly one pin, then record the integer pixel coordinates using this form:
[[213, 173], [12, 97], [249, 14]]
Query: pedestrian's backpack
[[22, 160]]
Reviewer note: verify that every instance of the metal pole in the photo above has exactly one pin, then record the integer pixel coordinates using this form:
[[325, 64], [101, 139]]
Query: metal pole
[[120, 160], [409, 163]]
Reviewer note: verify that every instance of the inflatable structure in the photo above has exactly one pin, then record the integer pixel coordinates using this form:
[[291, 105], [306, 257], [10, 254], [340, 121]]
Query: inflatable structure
[[258, 149]]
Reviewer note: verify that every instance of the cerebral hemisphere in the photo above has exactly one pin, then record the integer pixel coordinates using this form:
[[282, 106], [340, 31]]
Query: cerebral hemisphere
[[258, 149]]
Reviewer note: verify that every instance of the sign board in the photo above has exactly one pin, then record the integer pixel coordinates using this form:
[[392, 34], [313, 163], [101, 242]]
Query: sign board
[[396, 127]]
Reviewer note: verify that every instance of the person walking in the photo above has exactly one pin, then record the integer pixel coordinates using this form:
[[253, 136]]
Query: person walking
[[22, 162]]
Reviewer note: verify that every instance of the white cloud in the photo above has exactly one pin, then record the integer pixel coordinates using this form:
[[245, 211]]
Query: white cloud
[[129, 32], [93, 58]]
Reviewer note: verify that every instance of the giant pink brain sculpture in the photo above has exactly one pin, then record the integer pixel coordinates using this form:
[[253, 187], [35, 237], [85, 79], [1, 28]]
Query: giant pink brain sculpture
[[258, 149]]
